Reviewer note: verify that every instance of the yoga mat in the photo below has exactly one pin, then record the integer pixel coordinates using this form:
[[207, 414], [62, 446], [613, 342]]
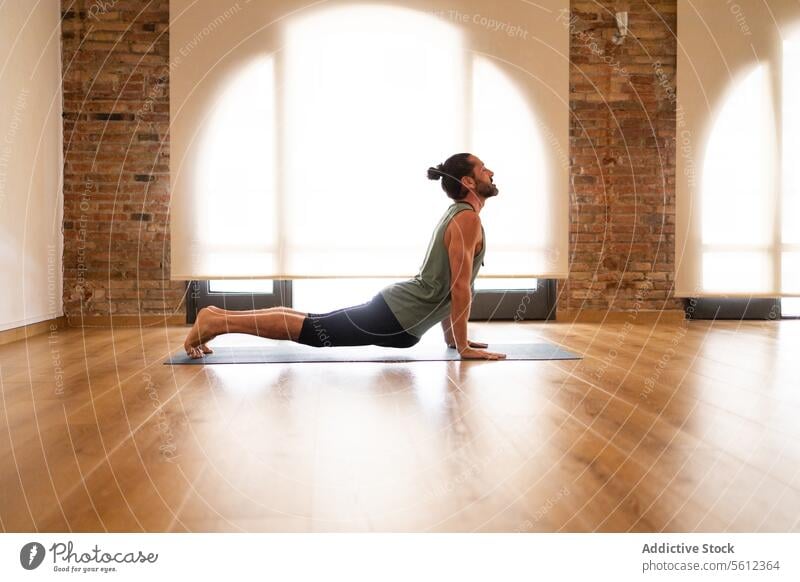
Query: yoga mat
[[289, 352]]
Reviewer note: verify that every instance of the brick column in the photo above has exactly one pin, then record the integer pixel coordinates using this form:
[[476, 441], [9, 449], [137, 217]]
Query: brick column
[[622, 158], [116, 159]]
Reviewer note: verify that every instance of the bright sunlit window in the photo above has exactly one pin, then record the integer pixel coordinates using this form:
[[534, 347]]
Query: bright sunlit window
[[790, 202], [320, 295], [511, 284], [790, 307], [736, 224], [338, 188], [506, 134], [791, 143], [258, 286], [362, 125], [235, 183], [742, 202]]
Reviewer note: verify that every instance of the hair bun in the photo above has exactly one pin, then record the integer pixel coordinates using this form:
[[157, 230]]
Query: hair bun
[[435, 173]]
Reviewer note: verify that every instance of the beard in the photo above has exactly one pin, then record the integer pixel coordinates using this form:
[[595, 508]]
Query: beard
[[488, 190]]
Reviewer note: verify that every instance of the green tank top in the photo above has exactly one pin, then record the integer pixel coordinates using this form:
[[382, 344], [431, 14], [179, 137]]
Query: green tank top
[[422, 302]]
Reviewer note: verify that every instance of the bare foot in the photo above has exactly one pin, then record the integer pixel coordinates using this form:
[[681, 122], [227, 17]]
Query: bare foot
[[219, 311], [213, 309], [205, 329]]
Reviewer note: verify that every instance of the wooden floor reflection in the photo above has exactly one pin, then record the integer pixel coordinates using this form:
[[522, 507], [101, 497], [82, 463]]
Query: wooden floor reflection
[[669, 427]]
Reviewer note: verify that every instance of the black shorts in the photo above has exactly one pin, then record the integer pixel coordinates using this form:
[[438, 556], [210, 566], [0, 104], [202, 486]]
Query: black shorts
[[371, 323]]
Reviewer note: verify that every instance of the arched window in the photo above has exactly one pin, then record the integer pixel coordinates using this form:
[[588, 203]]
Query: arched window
[[737, 181], [310, 163]]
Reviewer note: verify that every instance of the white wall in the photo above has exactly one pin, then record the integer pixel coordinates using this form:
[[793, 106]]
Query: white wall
[[31, 209]]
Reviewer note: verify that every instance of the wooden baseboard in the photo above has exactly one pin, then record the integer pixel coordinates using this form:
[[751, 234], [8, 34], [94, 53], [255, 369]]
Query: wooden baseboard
[[19, 333], [605, 316], [127, 320]]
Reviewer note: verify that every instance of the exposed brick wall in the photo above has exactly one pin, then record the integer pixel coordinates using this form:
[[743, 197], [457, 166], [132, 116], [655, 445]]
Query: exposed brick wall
[[622, 149], [116, 158], [116, 154]]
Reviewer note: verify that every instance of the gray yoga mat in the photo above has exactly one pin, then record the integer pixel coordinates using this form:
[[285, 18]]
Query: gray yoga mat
[[288, 352]]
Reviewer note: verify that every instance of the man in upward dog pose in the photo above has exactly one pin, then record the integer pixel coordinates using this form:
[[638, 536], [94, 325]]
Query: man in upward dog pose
[[401, 313]]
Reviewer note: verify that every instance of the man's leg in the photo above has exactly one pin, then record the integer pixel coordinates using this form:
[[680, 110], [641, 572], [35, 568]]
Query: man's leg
[[273, 323], [213, 308], [266, 310]]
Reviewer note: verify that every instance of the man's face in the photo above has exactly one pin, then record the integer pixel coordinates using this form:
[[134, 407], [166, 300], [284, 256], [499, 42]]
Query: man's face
[[484, 184]]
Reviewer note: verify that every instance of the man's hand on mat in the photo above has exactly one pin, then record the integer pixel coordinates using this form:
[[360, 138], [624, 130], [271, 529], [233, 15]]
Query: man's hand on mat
[[475, 354], [470, 343]]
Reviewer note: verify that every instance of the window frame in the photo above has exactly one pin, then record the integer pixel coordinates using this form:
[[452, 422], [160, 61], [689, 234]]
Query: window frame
[[199, 296]]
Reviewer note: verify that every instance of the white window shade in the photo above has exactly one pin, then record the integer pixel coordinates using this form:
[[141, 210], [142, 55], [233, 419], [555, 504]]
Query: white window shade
[[737, 173], [233, 220], [316, 132], [737, 193], [790, 202], [523, 221], [373, 97]]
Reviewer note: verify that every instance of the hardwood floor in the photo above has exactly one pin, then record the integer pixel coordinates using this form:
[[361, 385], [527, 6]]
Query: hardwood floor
[[688, 426]]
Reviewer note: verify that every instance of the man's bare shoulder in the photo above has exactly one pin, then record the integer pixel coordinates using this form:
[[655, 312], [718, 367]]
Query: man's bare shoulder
[[464, 226], [467, 216]]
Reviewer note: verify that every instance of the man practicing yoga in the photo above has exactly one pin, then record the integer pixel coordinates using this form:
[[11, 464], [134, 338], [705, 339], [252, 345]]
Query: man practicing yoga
[[401, 313]]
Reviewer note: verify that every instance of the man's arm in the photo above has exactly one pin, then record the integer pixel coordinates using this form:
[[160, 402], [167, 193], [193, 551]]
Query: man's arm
[[461, 238], [447, 329]]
